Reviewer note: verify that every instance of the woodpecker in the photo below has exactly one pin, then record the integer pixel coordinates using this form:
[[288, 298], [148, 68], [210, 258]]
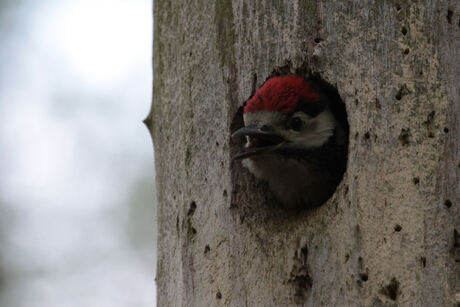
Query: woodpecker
[[296, 133]]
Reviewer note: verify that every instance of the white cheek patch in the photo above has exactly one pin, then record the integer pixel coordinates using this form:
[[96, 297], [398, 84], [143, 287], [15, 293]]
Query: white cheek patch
[[316, 131]]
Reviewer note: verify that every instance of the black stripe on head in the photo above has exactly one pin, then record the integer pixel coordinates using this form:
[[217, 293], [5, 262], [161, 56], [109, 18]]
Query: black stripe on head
[[330, 96], [311, 108]]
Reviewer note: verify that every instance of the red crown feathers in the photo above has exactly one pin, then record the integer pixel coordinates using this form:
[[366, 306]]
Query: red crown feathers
[[281, 94]]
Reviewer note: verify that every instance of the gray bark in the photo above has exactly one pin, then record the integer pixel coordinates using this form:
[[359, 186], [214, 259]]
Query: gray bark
[[389, 235]]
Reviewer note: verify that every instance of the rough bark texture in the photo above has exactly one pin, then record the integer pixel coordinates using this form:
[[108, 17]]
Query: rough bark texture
[[389, 235]]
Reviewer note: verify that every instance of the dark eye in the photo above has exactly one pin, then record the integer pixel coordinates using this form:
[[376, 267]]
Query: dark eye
[[296, 124]]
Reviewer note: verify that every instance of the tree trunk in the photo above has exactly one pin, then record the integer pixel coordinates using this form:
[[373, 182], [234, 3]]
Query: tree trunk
[[389, 235]]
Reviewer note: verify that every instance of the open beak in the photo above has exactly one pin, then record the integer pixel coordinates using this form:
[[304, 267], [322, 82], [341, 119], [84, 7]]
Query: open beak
[[260, 141]]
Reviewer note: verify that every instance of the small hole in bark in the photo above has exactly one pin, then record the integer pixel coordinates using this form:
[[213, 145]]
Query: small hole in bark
[[300, 277], [218, 295], [318, 40], [391, 290], [194, 231], [456, 239], [192, 209], [217, 144], [406, 51], [429, 124], [446, 130], [403, 90], [448, 203], [449, 16], [225, 193], [206, 249], [356, 102], [304, 251], [347, 257], [398, 7], [398, 228], [423, 261], [364, 276], [416, 180], [404, 31], [367, 135], [404, 136], [377, 104], [254, 83]]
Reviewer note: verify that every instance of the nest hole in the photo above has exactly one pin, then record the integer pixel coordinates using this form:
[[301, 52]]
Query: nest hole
[[335, 105]]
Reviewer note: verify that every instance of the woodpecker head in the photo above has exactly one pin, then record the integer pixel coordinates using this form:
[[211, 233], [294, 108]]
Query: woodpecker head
[[297, 135]]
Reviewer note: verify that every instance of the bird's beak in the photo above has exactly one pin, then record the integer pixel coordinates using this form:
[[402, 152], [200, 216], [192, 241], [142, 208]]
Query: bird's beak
[[261, 140]]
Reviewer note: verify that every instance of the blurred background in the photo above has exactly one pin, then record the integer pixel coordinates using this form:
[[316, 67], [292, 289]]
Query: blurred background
[[77, 215]]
